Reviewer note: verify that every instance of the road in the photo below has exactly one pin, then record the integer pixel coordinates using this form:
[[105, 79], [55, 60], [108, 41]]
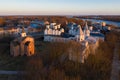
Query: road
[[11, 72], [115, 64]]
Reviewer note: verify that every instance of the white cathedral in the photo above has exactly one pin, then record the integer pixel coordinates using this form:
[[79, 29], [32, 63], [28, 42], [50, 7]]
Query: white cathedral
[[79, 34], [53, 33]]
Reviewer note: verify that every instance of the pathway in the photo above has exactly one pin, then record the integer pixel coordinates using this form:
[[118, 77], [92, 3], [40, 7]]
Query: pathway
[[115, 65], [10, 72]]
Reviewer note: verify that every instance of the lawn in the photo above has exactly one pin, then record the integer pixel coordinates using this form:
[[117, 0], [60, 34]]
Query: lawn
[[10, 77], [8, 62]]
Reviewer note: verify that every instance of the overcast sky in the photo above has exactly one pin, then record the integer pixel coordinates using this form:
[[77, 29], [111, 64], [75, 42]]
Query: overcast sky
[[59, 7]]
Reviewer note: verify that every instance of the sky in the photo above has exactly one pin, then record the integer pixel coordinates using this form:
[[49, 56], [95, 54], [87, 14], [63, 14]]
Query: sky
[[59, 7]]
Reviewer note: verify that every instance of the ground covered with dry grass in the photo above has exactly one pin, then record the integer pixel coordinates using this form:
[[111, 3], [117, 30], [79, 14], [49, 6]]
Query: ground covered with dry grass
[[49, 64]]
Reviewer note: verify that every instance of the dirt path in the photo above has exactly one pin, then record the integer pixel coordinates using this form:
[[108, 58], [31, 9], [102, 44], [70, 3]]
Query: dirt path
[[10, 72], [115, 65]]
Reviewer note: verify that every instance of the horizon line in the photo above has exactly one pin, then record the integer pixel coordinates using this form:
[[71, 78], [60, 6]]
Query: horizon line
[[60, 15]]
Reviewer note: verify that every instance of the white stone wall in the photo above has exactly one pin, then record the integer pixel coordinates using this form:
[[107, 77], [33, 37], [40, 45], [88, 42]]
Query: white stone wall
[[54, 31]]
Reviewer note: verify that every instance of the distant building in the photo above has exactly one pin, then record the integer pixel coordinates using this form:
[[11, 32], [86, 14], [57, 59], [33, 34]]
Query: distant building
[[23, 45], [5, 32]]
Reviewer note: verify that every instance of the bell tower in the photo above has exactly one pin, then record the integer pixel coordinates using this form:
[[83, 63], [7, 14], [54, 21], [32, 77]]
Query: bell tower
[[80, 35]]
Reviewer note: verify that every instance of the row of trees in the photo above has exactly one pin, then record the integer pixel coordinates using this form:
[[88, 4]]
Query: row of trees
[[104, 17], [53, 64], [14, 21], [111, 18], [2, 22]]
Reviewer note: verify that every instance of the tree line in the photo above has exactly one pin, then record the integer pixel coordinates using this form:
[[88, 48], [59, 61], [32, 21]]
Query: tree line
[[48, 64]]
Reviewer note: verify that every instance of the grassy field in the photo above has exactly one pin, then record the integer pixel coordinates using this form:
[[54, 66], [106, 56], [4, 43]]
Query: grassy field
[[8, 62]]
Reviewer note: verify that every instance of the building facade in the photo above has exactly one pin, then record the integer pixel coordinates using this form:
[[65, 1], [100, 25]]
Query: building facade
[[23, 45]]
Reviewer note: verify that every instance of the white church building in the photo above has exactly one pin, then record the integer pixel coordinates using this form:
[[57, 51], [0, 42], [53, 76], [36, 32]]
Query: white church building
[[53, 33]]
